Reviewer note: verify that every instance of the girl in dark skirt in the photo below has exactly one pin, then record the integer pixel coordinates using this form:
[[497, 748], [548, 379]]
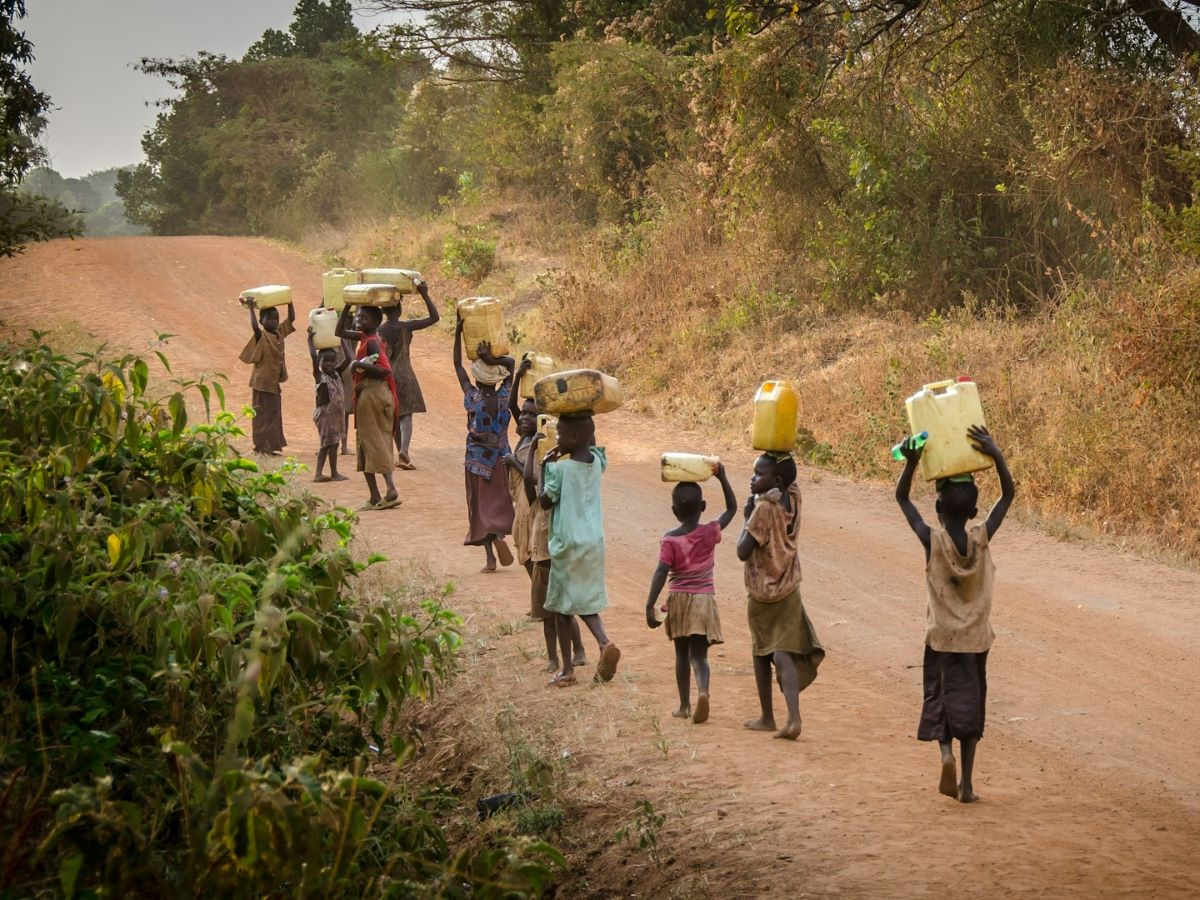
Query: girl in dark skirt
[[489, 504], [958, 633], [264, 351]]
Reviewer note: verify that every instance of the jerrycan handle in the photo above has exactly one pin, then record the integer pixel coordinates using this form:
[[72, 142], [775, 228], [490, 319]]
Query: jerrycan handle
[[939, 385]]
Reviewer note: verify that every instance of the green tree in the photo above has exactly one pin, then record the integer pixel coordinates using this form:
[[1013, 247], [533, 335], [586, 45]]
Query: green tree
[[23, 218]]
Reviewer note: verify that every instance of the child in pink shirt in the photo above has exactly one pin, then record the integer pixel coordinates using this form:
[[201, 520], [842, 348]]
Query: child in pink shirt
[[686, 558]]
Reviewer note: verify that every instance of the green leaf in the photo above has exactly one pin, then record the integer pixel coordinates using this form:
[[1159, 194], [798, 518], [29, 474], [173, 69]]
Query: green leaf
[[64, 628], [178, 413], [139, 375], [68, 872]]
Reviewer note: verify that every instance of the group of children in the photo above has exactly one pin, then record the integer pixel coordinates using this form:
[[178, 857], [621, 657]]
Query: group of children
[[552, 508], [370, 375]]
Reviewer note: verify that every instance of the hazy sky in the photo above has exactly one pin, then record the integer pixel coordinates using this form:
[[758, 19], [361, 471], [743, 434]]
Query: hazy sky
[[85, 50]]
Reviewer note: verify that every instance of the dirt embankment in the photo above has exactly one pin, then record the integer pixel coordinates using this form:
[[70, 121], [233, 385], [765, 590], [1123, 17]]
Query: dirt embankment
[[1087, 770]]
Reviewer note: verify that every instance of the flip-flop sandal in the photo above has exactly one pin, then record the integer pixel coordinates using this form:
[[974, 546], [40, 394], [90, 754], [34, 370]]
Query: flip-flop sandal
[[503, 553], [607, 667], [388, 504], [403, 462], [561, 681], [368, 505], [321, 479]]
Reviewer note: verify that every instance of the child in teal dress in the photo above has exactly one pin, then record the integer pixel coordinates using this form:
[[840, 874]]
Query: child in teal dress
[[571, 490]]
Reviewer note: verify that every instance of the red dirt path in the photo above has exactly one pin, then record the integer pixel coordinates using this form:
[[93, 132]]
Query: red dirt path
[[1087, 773]]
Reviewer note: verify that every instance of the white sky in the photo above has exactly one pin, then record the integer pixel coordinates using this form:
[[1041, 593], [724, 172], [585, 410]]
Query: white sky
[[84, 54]]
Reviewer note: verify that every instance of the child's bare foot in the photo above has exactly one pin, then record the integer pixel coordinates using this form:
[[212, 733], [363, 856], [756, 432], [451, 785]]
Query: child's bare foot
[[489, 569], [321, 479], [701, 714], [682, 713], [790, 731], [551, 666], [339, 477], [966, 795], [949, 782], [579, 659], [762, 724]]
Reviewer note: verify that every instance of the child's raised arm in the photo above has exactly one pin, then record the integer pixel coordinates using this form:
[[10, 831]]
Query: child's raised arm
[[434, 316], [291, 313], [312, 352], [657, 582], [463, 381], [730, 497], [986, 444], [912, 455], [514, 396], [254, 322], [343, 329]]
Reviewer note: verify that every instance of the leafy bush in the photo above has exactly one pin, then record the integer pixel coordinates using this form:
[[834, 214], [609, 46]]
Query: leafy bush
[[186, 673], [468, 254]]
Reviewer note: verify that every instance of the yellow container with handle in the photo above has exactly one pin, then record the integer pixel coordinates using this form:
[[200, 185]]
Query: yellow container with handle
[[577, 391], [380, 295], [267, 296], [483, 320], [945, 410], [404, 279], [540, 365], [776, 406], [688, 466], [323, 323], [332, 283]]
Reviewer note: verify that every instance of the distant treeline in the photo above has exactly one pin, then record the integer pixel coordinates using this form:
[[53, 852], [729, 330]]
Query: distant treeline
[[911, 154], [93, 199]]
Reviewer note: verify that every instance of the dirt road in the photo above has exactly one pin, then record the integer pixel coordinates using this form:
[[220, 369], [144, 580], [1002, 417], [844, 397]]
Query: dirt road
[[1087, 772]]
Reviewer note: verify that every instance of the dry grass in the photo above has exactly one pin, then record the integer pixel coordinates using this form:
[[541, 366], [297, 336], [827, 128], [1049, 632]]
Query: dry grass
[[1093, 400]]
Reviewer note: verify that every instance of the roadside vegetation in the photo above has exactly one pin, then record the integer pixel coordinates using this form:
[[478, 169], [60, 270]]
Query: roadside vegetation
[[199, 697]]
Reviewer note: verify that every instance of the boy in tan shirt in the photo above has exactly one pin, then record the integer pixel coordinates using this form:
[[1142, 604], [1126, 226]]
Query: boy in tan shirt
[[958, 630]]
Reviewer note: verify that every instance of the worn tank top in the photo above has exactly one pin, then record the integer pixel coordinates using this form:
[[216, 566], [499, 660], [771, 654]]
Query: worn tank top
[[958, 619]]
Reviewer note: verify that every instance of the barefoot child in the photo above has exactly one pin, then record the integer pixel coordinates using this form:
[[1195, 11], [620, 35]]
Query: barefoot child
[[693, 624], [264, 352], [531, 530], [958, 630], [780, 630], [398, 334], [329, 412], [571, 490], [374, 402], [489, 505]]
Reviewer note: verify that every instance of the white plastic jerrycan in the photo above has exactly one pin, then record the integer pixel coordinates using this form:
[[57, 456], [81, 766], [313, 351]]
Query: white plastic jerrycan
[[267, 296], [946, 409], [540, 365], [323, 322], [332, 283]]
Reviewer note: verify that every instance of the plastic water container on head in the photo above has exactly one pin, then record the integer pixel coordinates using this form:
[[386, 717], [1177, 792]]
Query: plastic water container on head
[[267, 296], [548, 426], [404, 279], [332, 283], [776, 406], [370, 295], [540, 366], [946, 409], [323, 322], [577, 391], [483, 320], [688, 467]]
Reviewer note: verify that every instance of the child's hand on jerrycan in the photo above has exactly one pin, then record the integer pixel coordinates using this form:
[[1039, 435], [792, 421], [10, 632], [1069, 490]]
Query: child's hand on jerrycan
[[983, 441]]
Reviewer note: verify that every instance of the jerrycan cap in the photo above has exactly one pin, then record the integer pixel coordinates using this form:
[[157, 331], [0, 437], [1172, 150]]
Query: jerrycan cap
[[963, 378]]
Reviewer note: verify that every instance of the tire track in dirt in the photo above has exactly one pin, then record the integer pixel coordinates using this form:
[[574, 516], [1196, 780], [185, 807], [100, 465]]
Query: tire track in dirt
[[1087, 770]]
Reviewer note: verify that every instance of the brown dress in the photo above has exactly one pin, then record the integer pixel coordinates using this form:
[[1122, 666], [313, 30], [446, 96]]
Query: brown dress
[[408, 389], [776, 615], [266, 354]]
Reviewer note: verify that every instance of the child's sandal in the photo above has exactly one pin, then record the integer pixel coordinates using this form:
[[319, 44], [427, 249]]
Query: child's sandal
[[561, 680]]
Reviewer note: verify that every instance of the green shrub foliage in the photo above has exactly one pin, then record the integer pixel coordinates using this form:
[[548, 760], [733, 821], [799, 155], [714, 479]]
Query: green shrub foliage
[[195, 701]]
